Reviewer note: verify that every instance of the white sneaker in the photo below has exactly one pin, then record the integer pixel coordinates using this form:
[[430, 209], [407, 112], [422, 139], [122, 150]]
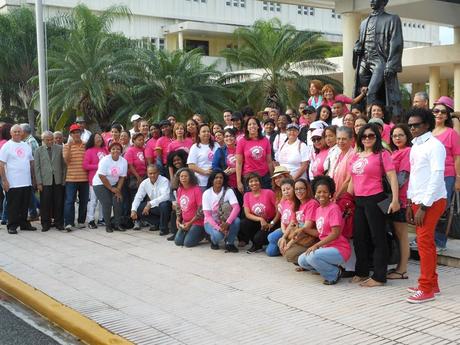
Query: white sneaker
[[68, 228], [440, 250], [137, 225], [413, 245]]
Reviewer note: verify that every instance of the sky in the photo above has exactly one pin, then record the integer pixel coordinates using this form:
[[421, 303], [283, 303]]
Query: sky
[[446, 35]]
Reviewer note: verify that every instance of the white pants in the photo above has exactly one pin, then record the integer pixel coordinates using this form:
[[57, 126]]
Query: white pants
[[92, 204]]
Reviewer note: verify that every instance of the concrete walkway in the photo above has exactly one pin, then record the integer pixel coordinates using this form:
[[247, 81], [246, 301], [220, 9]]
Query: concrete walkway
[[149, 291]]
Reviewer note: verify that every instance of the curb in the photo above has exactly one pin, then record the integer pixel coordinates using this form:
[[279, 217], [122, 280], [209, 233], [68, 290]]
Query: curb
[[67, 318]]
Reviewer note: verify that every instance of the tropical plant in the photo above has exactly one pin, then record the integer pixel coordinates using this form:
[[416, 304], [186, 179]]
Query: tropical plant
[[85, 75], [172, 83], [279, 62]]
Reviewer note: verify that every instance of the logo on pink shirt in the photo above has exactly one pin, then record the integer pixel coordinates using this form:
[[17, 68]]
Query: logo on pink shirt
[[20, 152], [140, 156], [231, 160], [286, 216], [115, 171], [257, 152], [359, 165], [319, 224], [183, 202], [258, 209], [210, 155], [299, 216]]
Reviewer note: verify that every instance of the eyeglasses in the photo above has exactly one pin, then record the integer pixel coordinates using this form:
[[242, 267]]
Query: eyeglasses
[[315, 139], [414, 125], [396, 136], [370, 136], [439, 111]]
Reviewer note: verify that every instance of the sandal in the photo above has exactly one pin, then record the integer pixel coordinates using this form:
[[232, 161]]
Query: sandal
[[371, 283], [300, 269], [397, 275], [358, 279]]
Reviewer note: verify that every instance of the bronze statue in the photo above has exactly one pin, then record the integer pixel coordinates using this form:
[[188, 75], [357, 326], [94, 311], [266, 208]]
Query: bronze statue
[[377, 58]]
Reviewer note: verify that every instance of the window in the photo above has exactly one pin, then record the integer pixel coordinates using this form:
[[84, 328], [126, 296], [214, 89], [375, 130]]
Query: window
[[161, 43], [305, 10], [193, 44], [271, 6], [335, 15], [236, 3]]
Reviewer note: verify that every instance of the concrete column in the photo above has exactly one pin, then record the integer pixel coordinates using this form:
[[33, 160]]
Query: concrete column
[[443, 87], [457, 35], [457, 87], [180, 40], [350, 29], [435, 79]]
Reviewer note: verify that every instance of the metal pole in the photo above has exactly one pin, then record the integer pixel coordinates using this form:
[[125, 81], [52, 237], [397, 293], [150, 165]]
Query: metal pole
[[42, 80]]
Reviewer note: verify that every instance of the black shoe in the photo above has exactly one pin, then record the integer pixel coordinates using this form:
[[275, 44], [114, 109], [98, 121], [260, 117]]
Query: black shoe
[[253, 250], [3, 222], [164, 232], [28, 227], [12, 231], [214, 246], [60, 227], [108, 229], [92, 225], [118, 228], [154, 228], [45, 228], [230, 248], [172, 237]]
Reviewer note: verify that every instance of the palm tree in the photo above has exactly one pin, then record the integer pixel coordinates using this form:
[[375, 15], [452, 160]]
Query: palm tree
[[275, 56], [173, 83], [85, 74]]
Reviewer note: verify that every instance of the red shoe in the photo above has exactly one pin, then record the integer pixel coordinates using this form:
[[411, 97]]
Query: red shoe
[[420, 297], [414, 289]]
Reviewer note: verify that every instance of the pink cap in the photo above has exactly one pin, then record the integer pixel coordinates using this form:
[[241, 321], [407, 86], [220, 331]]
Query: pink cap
[[446, 101], [317, 133]]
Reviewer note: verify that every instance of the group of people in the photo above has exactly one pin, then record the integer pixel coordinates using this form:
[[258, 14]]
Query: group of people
[[320, 185]]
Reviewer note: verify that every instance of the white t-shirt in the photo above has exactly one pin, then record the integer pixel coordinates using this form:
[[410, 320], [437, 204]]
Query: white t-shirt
[[211, 201], [338, 121], [202, 156], [111, 169], [292, 155], [17, 157], [279, 140]]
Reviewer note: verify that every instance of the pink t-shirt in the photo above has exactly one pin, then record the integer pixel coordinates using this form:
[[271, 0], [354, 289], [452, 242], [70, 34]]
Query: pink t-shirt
[[91, 161], [185, 145], [303, 121], [287, 212], [366, 173], [317, 166], [190, 201], [135, 156], [163, 143], [402, 163], [326, 218], [306, 212], [386, 131], [262, 205], [150, 149], [254, 154], [451, 141], [231, 163]]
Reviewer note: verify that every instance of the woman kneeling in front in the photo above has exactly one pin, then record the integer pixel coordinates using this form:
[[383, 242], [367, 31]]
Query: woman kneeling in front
[[333, 248]]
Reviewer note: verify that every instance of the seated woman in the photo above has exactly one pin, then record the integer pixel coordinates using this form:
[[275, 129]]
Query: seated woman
[[286, 209], [189, 220], [221, 210], [260, 210], [333, 249], [299, 240]]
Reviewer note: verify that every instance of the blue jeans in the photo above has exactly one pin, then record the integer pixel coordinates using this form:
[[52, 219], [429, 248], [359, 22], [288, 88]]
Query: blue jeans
[[71, 189], [273, 238], [325, 261], [217, 236], [440, 238], [189, 238], [5, 211]]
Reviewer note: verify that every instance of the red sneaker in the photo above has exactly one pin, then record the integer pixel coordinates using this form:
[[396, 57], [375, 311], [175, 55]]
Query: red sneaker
[[420, 297], [414, 289]]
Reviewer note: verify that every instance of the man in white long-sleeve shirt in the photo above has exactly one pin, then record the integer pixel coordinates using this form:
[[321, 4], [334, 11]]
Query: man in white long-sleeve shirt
[[426, 198], [157, 209]]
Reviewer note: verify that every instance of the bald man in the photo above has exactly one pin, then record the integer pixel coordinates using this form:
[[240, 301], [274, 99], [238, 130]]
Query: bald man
[[16, 170]]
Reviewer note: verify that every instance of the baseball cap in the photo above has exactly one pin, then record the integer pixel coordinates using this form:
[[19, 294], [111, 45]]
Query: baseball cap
[[318, 125], [292, 126], [164, 123], [317, 133], [74, 127], [135, 117], [309, 110], [237, 116]]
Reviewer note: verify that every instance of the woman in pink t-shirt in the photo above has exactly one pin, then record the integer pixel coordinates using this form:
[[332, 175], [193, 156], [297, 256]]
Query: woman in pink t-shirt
[[259, 209], [180, 141], [321, 151], [299, 240], [253, 154], [401, 144], [333, 249], [189, 209], [137, 167], [161, 149], [286, 208], [368, 167], [95, 150]]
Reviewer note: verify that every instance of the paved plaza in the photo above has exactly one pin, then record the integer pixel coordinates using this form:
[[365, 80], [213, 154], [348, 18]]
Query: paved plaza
[[140, 286]]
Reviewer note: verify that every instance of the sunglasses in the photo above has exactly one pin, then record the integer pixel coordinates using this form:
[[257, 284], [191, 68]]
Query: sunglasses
[[414, 125], [439, 111], [368, 136], [315, 139]]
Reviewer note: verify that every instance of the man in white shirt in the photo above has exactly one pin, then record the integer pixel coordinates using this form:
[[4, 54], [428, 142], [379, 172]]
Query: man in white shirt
[[157, 210], [338, 113], [135, 120], [426, 198], [16, 171], [85, 134]]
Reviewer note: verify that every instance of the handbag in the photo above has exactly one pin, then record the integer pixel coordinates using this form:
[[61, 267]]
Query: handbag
[[385, 203], [224, 208]]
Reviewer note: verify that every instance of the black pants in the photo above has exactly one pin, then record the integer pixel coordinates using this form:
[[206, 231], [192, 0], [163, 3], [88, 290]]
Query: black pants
[[369, 237], [251, 231], [18, 204], [52, 205], [159, 215]]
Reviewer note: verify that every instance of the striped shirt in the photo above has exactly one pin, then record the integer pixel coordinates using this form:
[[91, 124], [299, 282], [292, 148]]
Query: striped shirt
[[73, 155]]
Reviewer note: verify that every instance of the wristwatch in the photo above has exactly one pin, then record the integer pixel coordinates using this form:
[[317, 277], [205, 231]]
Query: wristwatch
[[423, 207]]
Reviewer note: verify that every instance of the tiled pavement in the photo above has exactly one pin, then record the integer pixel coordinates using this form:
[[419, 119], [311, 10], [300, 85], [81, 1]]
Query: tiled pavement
[[148, 290]]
